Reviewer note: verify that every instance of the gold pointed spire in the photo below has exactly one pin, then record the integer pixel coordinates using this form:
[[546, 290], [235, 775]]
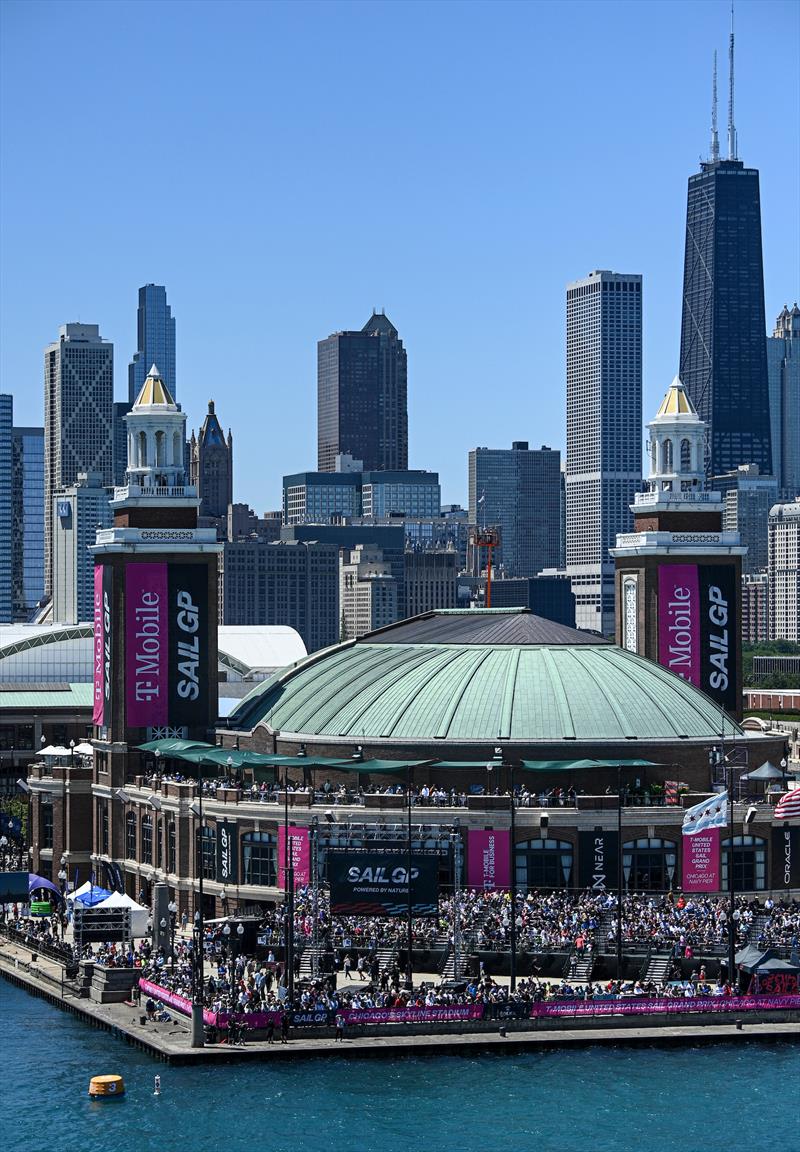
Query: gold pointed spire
[[676, 402], [154, 391]]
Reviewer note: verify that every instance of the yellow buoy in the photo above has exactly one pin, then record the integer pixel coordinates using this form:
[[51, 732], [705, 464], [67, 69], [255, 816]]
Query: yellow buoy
[[106, 1087]]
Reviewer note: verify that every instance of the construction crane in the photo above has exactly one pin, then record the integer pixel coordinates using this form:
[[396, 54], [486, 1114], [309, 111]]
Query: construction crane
[[488, 538]]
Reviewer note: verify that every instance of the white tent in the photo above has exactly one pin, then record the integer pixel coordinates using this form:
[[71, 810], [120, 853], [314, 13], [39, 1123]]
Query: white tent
[[140, 917], [82, 891]]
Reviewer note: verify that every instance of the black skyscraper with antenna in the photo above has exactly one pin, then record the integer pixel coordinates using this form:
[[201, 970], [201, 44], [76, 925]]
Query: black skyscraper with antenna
[[723, 363]]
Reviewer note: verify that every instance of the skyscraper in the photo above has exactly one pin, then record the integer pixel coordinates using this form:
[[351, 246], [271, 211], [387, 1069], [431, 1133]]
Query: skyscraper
[[27, 521], [362, 397], [783, 367], [723, 359], [78, 416], [155, 342], [6, 504], [518, 490], [784, 572], [604, 447], [211, 470]]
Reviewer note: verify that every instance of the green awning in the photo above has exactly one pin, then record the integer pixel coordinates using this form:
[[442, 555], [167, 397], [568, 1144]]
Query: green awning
[[582, 765], [380, 765], [557, 765], [479, 764], [173, 747]]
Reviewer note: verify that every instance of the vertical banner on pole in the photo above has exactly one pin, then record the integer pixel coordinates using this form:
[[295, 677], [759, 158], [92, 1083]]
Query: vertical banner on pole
[[488, 859], [300, 855], [701, 854]]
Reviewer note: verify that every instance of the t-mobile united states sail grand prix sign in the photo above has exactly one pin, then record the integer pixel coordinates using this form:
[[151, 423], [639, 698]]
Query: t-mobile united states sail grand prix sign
[[698, 622], [166, 645]]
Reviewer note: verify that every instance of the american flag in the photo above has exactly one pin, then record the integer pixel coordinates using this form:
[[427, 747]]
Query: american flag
[[788, 807]]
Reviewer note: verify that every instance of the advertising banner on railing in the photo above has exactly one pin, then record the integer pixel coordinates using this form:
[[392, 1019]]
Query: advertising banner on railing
[[299, 852], [701, 861], [166, 637], [663, 1006], [436, 1014], [488, 864], [101, 711], [376, 883], [698, 618]]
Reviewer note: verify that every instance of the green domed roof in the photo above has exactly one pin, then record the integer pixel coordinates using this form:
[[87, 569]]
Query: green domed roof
[[477, 676]]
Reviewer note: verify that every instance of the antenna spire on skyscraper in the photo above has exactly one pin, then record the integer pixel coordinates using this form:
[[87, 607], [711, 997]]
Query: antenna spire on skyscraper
[[731, 130], [714, 132]]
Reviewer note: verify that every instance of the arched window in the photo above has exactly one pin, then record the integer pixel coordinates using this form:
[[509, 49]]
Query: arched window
[[749, 863], [142, 449], [686, 455], [130, 836], [653, 457], [648, 864], [543, 864], [260, 859], [668, 462], [177, 450], [147, 839], [160, 450]]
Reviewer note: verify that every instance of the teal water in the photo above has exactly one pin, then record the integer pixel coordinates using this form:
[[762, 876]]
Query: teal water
[[601, 1100]]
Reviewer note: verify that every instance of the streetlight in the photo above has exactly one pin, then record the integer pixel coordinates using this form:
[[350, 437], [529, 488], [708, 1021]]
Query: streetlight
[[163, 926], [226, 932], [198, 1034], [288, 891], [229, 763], [172, 908]]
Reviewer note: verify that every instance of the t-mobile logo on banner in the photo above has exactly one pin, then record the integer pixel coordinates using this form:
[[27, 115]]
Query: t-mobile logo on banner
[[679, 620], [146, 645]]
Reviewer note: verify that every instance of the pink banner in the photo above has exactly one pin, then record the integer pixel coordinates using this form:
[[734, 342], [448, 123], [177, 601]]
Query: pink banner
[[665, 1006], [437, 1014], [146, 644], [488, 864], [300, 850], [701, 861], [98, 711], [679, 632]]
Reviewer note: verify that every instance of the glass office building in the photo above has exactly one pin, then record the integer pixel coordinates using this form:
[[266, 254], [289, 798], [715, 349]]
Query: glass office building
[[362, 397], [155, 341], [6, 433]]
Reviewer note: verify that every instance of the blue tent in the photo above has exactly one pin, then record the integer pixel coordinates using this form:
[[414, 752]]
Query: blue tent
[[95, 896], [36, 882]]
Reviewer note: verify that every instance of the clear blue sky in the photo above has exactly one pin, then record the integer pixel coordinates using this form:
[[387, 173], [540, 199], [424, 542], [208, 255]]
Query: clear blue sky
[[285, 168]]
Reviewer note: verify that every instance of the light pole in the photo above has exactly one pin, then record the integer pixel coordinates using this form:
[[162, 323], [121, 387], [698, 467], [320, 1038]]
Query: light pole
[[229, 764], [288, 892], [198, 1034], [513, 883], [619, 871], [172, 908], [226, 932], [409, 926]]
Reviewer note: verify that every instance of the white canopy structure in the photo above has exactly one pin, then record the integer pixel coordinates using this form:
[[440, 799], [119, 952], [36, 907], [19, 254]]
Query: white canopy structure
[[140, 916]]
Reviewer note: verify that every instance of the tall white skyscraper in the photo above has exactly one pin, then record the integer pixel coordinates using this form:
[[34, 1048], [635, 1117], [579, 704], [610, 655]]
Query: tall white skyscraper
[[78, 417], [604, 439]]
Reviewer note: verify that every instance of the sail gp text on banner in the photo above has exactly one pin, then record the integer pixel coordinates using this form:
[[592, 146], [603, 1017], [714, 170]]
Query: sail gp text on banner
[[188, 644]]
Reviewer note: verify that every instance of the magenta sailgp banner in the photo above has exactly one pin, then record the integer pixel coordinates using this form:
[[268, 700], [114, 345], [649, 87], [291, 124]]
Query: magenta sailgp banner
[[102, 645], [488, 859], [701, 861], [679, 620], [146, 645]]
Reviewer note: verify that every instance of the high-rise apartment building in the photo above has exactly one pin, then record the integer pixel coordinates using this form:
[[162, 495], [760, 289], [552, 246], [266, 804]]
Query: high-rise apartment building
[[6, 508], [78, 512], [784, 572], [783, 367], [748, 497], [362, 407], [293, 583], [755, 608], [321, 497], [368, 593], [604, 419], [723, 360], [155, 341], [211, 470], [518, 490], [431, 581], [390, 539], [78, 417], [27, 522]]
